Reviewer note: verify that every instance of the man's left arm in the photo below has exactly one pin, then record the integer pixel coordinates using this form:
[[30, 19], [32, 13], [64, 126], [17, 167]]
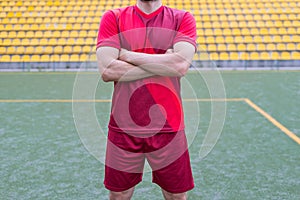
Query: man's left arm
[[175, 63]]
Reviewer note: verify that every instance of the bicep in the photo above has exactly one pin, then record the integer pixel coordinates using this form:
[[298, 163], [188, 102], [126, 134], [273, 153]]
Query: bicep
[[105, 56], [185, 50]]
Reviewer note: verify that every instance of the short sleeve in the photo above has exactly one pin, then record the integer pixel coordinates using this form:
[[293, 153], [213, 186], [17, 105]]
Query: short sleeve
[[187, 30], [108, 31]]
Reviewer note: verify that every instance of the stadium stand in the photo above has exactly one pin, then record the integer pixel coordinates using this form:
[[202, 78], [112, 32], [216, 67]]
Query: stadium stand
[[229, 30]]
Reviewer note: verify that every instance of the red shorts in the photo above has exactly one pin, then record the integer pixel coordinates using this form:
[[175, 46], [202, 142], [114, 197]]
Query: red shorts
[[166, 153]]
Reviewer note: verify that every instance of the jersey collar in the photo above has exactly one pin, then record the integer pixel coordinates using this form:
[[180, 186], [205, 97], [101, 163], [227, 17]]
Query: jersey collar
[[148, 15]]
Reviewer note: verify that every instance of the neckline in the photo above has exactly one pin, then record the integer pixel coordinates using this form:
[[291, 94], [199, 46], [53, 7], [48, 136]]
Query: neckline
[[150, 15]]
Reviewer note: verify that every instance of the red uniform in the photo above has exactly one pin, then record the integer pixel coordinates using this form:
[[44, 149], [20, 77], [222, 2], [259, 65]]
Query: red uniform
[[138, 128]]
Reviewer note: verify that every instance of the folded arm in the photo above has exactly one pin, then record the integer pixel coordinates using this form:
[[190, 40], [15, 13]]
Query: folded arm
[[112, 69], [169, 64]]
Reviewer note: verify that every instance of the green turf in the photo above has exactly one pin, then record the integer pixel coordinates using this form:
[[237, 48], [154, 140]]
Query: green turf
[[42, 156]]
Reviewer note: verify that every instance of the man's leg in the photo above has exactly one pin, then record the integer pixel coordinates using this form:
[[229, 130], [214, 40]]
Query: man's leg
[[174, 196], [124, 195]]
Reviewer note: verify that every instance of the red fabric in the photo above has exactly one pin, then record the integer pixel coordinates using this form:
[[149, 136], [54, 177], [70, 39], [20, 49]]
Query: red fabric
[[166, 153], [153, 33]]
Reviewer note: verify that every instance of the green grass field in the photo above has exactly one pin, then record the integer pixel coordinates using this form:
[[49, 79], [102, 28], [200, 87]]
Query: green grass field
[[42, 156]]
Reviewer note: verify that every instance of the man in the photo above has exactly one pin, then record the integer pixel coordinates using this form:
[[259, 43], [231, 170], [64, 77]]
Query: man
[[145, 49]]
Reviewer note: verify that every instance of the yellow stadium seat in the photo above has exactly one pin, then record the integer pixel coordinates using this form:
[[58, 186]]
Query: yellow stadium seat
[[264, 31], [20, 49], [26, 58], [231, 47], [220, 39], [11, 50], [74, 34], [245, 31], [56, 34], [77, 49], [290, 46], [248, 39], [277, 39], [52, 41], [2, 50], [224, 56], [285, 55], [92, 41], [211, 47], [80, 41], [251, 47], [269, 24], [280, 46], [275, 55], [282, 31], [43, 41], [61, 41], [265, 56], [39, 49], [271, 47], [241, 47], [296, 38], [261, 47], [222, 47], [45, 58], [286, 38], [296, 55], [291, 31], [65, 34], [67, 49], [83, 57], [237, 39], [48, 50], [227, 32], [3, 34], [58, 49], [5, 58], [16, 41], [65, 58], [208, 32], [244, 56], [210, 39], [16, 58], [214, 56], [216, 24], [30, 50], [267, 39], [257, 39], [234, 56], [86, 49], [74, 58], [236, 31], [55, 58], [234, 24], [254, 56], [273, 31]]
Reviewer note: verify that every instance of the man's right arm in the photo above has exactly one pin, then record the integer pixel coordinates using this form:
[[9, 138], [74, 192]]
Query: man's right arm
[[112, 69]]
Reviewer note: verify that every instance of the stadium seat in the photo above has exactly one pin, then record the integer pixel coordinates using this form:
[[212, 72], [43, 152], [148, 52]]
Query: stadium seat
[[265, 56], [254, 56], [224, 56], [234, 56], [64, 58], [296, 55], [285, 55], [5, 58]]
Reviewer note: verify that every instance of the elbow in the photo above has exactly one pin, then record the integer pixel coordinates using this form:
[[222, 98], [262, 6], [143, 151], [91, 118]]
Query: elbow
[[182, 68], [106, 76]]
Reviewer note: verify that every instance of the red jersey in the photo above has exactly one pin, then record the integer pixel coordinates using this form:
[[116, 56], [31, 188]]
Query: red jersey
[[134, 103]]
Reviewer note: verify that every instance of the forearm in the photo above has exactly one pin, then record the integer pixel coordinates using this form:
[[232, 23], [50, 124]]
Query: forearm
[[119, 70], [171, 64]]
